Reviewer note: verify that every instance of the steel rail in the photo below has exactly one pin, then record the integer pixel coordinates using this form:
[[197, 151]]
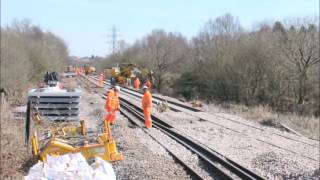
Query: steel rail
[[206, 155], [222, 117], [137, 122], [155, 97], [212, 159]]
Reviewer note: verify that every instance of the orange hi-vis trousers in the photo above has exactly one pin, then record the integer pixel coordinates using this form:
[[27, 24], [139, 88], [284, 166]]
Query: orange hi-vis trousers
[[136, 84], [147, 117], [111, 115], [136, 87]]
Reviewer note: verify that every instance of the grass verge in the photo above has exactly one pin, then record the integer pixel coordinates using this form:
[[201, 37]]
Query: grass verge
[[308, 126]]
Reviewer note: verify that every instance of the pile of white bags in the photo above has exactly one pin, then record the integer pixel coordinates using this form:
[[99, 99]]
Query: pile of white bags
[[71, 166]]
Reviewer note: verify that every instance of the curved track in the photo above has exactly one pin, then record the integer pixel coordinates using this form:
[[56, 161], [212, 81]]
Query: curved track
[[221, 167], [180, 107]]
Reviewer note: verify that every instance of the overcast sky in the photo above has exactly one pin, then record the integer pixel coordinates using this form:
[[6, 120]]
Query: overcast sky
[[85, 24]]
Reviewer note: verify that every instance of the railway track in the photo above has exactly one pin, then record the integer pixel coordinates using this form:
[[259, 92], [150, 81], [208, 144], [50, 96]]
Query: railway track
[[195, 112], [221, 167], [174, 105]]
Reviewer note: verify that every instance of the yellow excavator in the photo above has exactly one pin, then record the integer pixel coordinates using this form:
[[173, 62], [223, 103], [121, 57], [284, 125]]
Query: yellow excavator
[[123, 71]]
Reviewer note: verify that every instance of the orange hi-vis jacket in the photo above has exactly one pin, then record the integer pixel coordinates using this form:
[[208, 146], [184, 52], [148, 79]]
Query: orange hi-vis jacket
[[147, 105], [147, 100], [101, 76], [112, 101], [136, 83]]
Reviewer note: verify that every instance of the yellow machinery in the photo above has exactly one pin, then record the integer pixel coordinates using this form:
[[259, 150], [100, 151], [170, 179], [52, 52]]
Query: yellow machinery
[[105, 146], [89, 69], [111, 72], [60, 140], [121, 72]]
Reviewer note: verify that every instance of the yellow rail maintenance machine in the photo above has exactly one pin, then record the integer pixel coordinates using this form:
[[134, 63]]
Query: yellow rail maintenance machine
[[61, 140]]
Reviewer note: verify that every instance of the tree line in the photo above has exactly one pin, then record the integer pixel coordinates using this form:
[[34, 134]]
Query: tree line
[[27, 52], [275, 64]]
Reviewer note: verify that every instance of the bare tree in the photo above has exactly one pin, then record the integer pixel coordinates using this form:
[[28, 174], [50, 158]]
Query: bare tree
[[302, 50], [164, 52], [26, 53], [273, 64]]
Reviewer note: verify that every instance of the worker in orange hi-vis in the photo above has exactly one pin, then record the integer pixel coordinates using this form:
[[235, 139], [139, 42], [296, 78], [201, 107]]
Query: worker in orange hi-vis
[[146, 105], [136, 84], [108, 105], [148, 83], [101, 78], [116, 93], [117, 102], [112, 104], [77, 72]]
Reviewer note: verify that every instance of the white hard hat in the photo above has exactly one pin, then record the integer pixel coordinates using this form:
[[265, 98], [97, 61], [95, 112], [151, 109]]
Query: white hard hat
[[117, 88], [145, 87]]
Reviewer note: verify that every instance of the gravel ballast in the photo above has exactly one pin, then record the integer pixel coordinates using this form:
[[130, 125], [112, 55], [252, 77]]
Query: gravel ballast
[[270, 152], [247, 145], [144, 158], [245, 142]]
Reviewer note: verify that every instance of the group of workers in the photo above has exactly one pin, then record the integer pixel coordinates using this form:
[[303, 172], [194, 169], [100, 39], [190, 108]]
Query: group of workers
[[112, 105], [136, 84]]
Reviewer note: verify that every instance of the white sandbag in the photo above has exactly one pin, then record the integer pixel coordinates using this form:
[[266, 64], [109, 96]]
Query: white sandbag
[[103, 167], [71, 166], [36, 172]]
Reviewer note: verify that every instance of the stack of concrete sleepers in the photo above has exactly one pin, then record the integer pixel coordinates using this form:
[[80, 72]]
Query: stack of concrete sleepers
[[55, 103]]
